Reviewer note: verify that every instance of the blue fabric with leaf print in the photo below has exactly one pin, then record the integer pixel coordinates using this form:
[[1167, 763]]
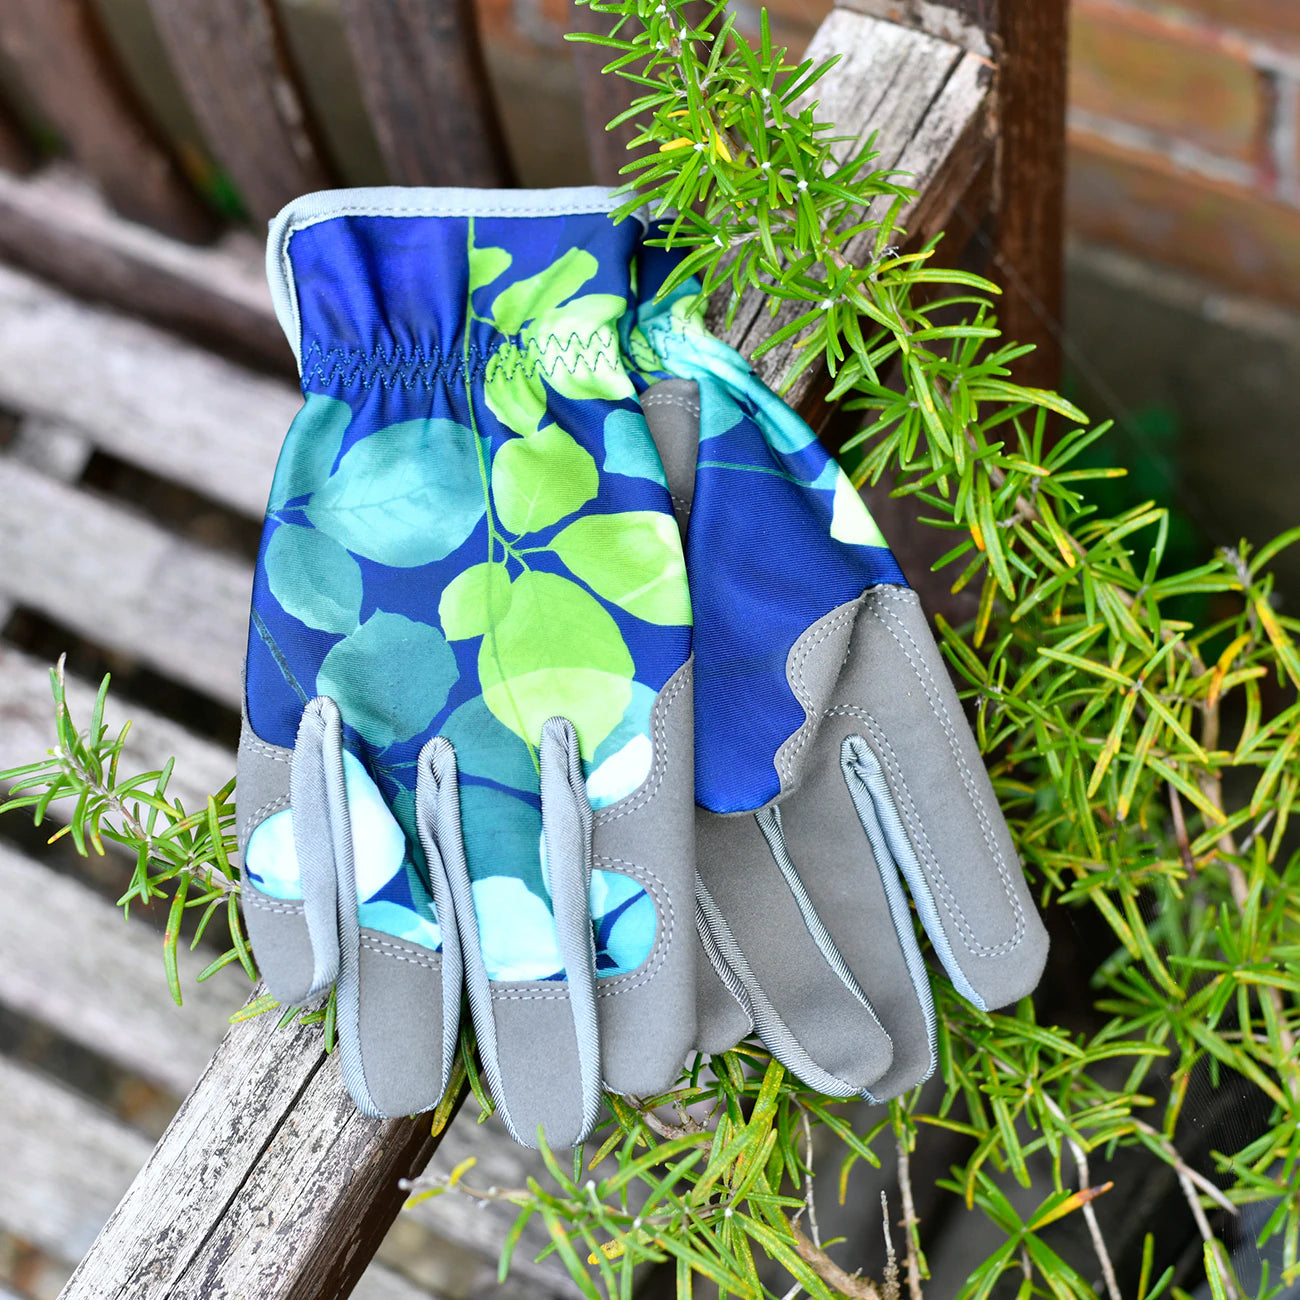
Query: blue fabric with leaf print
[[469, 533], [752, 590]]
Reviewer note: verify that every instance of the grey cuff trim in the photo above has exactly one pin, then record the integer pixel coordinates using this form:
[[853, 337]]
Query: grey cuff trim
[[409, 201]]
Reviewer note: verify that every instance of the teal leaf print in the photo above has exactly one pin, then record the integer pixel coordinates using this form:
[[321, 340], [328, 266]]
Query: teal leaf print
[[310, 448], [514, 391], [314, 578], [516, 931], [473, 600], [629, 449], [407, 495], [633, 560], [537, 481], [539, 294], [389, 678], [557, 652], [486, 748], [486, 264]]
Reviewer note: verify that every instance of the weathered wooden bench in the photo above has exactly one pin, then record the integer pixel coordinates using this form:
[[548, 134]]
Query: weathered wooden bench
[[267, 1183]]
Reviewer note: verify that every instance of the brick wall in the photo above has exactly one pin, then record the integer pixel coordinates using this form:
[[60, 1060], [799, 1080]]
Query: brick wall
[[1184, 125]]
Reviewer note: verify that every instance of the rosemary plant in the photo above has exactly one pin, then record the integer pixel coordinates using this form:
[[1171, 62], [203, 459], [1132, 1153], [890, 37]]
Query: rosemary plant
[[1147, 763]]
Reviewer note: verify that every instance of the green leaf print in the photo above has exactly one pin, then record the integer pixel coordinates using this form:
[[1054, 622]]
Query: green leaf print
[[389, 678], [528, 299], [486, 264], [578, 347], [556, 652], [632, 559], [406, 495], [310, 448], [473, 600], [314, 578], [514, 390], [536, 481]]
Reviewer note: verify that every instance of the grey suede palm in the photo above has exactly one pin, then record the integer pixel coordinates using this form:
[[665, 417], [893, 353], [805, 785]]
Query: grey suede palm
[[808, 938]]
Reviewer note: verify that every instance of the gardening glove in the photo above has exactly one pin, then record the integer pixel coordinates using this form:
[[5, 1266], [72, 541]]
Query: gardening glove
[[833, 764], [467, 743]]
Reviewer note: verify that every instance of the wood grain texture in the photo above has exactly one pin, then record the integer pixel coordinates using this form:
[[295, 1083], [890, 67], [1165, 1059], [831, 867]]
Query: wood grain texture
[[55, 46], [267, 1183], [66, 1164], [57, 941], [228, 57], [135, 391], [55, 225], [1029, 186], [969, 23], [124, 582], [427, 91]]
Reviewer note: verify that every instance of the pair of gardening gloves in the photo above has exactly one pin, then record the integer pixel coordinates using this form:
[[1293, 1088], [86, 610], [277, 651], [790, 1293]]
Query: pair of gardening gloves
[[508, 736]]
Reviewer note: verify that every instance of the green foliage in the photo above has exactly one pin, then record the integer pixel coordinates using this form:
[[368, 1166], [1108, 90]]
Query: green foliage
[[1147, 764]]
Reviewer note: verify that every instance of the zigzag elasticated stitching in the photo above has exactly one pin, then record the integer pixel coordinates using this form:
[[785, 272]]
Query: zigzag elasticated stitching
[[416, 368]]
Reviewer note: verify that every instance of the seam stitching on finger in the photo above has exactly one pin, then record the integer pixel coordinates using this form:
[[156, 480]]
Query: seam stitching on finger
[[275, 752], [894, 625], [399, 952], [788, 753], [252, 900]]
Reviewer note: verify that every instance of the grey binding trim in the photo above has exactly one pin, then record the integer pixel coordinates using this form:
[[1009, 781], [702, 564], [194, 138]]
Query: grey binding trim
[[769, 822], [316, 787], [429, 797], [408, 201], [566, 831], [328, 733], [440, 758], [879, 815], [721, 946]]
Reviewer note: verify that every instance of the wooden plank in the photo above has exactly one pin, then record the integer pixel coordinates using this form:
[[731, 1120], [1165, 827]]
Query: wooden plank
[[57, 226], [124, 582], [54, 45], [268, 1182], [58, 940], [229, 59], [27, 730], [16, 153], [65, 1162], [603, 98], [427, 91], [137, 392], [1029, 187], [968, 23]]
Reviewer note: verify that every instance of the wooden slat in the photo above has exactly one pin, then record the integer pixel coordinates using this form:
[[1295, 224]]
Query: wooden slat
[[27, 730], [66, 1163], [603, 98], [268, 1182], [427, 91], [1029, 223], [137, 392], [58, 940], [968, 23], [123, 581], [54, 46], [16, 154], [56, 225], [926, 100], [228, 57]]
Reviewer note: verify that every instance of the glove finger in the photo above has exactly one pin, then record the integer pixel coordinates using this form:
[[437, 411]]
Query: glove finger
[[393, 1033], [853, 882], [538, 1039], [948, 835], [722, 1011], [288, 886], [810, 1012], [644, 923]]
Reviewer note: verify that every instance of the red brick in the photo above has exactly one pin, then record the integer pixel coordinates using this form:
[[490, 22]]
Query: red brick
[[1278, 19], [1129, 65], [1236, 237]]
